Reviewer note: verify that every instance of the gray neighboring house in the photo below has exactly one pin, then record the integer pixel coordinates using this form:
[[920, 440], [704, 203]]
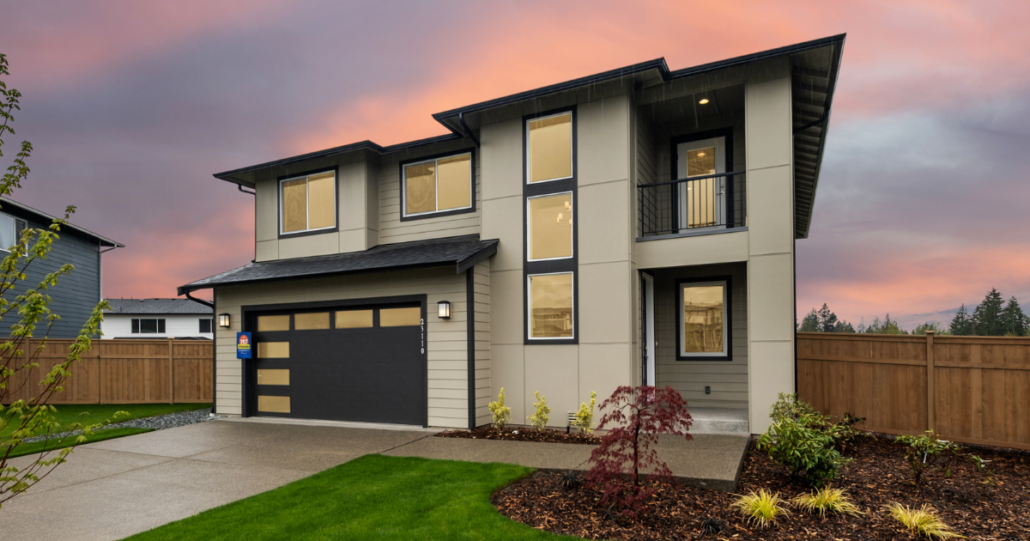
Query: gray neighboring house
[[157, 318], [75, 295]]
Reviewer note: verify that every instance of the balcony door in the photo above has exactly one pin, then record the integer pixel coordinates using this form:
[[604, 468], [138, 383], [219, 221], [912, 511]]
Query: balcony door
[[702, 203]]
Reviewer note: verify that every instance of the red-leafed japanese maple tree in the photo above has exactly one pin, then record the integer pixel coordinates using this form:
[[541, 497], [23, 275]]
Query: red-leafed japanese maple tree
[[634, 417]]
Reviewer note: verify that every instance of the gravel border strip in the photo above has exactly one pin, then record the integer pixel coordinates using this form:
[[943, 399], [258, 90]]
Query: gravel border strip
[[157, 422]]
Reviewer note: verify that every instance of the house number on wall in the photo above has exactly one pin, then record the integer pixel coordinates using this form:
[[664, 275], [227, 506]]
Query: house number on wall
[[422, 335]]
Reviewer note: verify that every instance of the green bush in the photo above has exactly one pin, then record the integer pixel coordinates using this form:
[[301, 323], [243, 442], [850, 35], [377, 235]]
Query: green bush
[[804, 447], [923, 452], [789, 406]]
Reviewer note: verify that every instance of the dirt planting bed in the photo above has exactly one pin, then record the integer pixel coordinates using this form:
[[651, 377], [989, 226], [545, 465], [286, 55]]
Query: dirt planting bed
[[997, 510], [523, 434]]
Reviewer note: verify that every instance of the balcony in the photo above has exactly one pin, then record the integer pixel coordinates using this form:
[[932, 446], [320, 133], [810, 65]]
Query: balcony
[[691, 206]]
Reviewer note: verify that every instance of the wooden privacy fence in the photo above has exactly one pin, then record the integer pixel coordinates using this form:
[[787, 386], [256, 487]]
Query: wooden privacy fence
[[123, 372], [971, 389]]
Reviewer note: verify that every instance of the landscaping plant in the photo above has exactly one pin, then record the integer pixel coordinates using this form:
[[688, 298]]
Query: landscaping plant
[[923, 521], [804, 448], [634, 418], [501, 413], [833, 500], [540, 415], [924, 452], [844, 433], [789, 406], [761, 508], [585, 415], [30, 302]]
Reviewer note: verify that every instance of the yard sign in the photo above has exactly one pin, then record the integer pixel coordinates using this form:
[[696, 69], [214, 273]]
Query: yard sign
[[243, 345]]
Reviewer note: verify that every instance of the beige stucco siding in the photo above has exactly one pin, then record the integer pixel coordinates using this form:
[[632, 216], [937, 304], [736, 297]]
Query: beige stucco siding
[[727, 379], [392, 229], [446, 340]]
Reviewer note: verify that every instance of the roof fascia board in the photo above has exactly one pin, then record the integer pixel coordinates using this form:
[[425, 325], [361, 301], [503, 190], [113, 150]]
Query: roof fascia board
[[182, 290], [42, 216]]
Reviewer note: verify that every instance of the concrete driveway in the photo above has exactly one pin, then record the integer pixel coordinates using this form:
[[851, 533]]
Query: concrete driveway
[[116, 488]]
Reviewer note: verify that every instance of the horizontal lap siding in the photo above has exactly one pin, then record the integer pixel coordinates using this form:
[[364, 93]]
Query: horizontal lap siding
[[727, 379], [446, 340], [393, 230], [481, 278]]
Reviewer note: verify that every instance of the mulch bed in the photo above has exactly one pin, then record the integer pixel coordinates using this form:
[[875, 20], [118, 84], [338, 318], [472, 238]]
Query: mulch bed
[[522, 434], [878, 476]]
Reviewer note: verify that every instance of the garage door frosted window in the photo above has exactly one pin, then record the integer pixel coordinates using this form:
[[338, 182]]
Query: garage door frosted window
[[273, 376], [307, 322], [274, 404], [354, 319], [273, 350], [273, 323], [400, 317]]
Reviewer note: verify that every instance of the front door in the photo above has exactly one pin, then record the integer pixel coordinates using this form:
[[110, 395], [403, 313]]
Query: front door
[[702, 202]]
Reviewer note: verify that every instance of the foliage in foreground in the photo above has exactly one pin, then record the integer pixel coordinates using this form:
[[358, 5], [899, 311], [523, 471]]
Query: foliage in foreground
[[922, 521], [761, 508], [832, 500], [501, 414], [634, 418], [31, 303], [798, 439]]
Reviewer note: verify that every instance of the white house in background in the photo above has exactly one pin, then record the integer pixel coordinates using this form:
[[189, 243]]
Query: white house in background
[[157, 318]]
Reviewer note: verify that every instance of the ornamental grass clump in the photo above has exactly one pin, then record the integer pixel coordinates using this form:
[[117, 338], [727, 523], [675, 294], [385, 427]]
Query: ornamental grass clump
[[761, 508], [833, 500], [540, 416], [501, 413], [585, 415], [923, 521]]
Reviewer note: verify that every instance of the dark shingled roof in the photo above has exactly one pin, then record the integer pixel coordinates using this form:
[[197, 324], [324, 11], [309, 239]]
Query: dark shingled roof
[[156, 306], [463, 252]]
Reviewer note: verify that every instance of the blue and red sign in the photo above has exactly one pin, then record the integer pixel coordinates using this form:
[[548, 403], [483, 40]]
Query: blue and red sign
[[243, 349]]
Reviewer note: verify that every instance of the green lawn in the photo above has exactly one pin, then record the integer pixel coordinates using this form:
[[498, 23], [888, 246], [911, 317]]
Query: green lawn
[[94, 413], [372, 497]]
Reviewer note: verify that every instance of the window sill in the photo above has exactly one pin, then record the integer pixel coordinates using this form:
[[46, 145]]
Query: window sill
[[699, 233]]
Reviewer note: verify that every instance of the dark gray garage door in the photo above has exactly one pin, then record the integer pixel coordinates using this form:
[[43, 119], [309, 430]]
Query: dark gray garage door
[[353, 363]]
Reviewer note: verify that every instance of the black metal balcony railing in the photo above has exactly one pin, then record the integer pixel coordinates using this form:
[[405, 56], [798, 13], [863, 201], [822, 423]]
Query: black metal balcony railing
[[688, 204]]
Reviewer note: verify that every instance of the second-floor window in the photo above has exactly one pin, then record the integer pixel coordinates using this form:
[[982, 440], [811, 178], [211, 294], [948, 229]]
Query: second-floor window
[[436, 186], [307, 203], [10, 231], [148, 326]]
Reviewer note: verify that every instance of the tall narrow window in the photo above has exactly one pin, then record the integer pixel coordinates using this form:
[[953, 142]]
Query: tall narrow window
[[550, 226], [704, 317], [550, 306], [550, 148], [308, 203], [437, 186]]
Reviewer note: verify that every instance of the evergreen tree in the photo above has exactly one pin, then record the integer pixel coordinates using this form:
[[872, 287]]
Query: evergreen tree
[[811, 322], [887, 326], [934, 326], [987, 316], [1013, 321], [844, 326], [827, 319], [961, 324]]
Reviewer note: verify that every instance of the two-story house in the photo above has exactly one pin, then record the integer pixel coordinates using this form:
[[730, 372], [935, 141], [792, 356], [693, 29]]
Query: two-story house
[[157, 318], [634, 226]]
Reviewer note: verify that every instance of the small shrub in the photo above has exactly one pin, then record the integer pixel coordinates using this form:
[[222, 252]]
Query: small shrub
[[713, 525], [923, 521], [571, 480], [985, 471], [585, 415], [539, 417], [634, 417], [761, 508], [833, 500], [844, 433], [807, 452], [789, 406], [923, 452], [500, 412]]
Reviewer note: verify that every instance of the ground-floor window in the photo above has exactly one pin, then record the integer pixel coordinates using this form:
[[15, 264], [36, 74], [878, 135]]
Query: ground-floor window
[[704, 319]]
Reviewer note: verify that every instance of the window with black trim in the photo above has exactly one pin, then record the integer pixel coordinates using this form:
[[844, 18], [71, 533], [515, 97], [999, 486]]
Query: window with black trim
[[10, 231], [148, 326], [549, 235], [703, 319], [307, 203], [205, 325], [437, 186]]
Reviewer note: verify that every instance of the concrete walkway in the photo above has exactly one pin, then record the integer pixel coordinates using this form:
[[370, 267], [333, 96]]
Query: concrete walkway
[[115, 488]]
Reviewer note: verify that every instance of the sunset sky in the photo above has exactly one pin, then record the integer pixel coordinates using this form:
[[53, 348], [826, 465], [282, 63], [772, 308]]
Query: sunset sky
[[923, 200]]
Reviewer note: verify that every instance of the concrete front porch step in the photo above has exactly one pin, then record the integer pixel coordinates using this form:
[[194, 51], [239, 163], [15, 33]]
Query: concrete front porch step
[[719, 421]]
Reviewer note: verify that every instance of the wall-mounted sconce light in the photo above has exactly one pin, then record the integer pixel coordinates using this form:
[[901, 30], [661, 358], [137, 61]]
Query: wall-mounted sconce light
[[223, 321], [444, 309]]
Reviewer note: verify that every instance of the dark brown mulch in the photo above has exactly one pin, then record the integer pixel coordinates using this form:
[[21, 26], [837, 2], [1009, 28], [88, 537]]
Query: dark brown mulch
[[523, 434], [878, 476]]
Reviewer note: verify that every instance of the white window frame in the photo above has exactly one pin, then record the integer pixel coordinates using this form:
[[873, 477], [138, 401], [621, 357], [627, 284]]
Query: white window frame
[[307, 203], [529, 307], [436, 178], [701, 355], [572, 147], [25, 225], [529, 226]]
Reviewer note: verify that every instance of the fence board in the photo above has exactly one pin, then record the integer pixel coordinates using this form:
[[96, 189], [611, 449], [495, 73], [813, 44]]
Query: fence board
[[971, 389], [123, 372]]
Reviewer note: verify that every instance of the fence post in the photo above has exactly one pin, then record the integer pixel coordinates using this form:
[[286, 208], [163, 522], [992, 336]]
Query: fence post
[[171, 374], [931, 382]]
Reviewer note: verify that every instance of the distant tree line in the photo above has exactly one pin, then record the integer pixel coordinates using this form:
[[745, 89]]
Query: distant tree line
[[992, 317]]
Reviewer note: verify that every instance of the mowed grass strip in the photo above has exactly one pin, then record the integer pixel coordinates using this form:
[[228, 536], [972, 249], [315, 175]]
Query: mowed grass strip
[[72, 413], [50, 445], [372, 497]]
